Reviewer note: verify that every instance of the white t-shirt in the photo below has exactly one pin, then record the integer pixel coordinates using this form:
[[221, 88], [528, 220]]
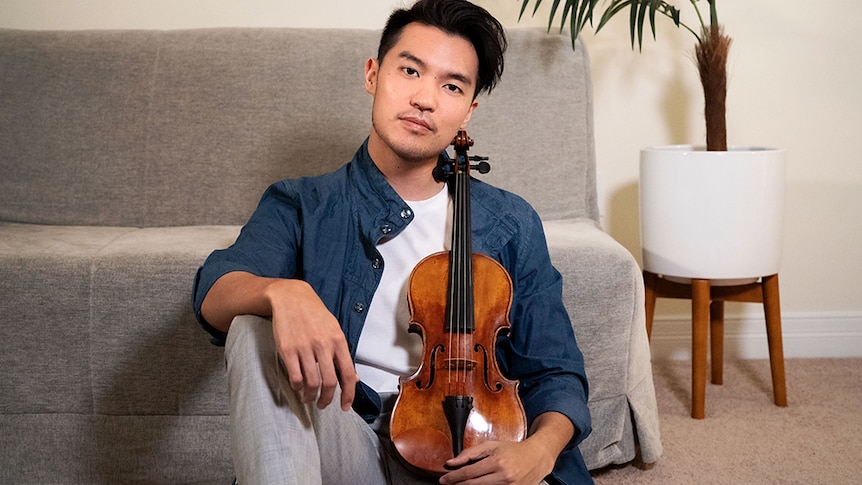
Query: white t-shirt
[[386, 350]]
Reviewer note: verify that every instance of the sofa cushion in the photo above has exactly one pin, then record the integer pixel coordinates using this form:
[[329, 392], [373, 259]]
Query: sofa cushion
[[188, 127], [98, 449], [149, 355], [98, 319], [45, 280], [169, 128]]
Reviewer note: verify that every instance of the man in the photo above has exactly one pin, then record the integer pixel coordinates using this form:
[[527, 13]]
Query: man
[[322, 265]]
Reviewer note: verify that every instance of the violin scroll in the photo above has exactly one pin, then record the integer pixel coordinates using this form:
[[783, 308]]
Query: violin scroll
[[444, 171], [462, 142]]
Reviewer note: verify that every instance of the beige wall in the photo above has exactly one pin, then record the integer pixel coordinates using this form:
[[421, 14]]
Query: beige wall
[[795, 83]]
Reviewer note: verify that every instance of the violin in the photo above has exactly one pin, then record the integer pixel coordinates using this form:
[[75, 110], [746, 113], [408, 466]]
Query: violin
[[459, 304]]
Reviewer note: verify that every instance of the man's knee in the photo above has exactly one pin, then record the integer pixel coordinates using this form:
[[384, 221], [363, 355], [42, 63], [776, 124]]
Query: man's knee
[[249, 333]]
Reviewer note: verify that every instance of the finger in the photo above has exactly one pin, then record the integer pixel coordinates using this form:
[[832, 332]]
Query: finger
[[347, 376], [291, 365], [310, 377], [292, 361], [472, 454], [470, 472], [328, 381]]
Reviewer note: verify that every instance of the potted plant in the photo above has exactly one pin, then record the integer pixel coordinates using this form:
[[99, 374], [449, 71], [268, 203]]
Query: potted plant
[[705, 212], [709, 217]]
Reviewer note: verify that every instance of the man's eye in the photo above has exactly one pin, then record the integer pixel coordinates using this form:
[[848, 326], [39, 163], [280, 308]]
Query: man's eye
[[410, 71], [453, 88]]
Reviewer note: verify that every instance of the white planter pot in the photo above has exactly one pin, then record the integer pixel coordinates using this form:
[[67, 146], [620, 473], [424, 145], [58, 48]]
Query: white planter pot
[[712, 215]]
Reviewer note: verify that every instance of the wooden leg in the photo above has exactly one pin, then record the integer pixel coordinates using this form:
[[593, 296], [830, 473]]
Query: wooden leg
[[716, 340], [699, 326], [772, 310], [650, 281]]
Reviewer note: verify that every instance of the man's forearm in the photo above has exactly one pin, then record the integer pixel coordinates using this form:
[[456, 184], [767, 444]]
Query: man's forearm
[[552, 431], [236, 293]]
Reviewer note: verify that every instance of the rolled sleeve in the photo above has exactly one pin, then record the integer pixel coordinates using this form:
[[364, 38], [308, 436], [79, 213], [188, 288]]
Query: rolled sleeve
[[265, 247], [541, 351]]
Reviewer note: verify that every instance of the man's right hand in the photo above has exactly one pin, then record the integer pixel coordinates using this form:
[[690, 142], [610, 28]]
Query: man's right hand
[[309, 339], [311, 344]]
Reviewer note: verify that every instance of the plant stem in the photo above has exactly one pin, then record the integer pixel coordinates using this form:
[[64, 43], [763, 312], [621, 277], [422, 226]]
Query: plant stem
[[713, 12], [690, 30], [699, 18]]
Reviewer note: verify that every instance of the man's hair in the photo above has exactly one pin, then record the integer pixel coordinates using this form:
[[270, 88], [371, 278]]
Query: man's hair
[[457, 17]]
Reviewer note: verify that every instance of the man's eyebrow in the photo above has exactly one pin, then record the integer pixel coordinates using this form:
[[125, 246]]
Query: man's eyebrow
[[410, 57], [457, 76]]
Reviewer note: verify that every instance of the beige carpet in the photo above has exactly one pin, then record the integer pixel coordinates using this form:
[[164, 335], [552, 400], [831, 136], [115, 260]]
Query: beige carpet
[[745, 438]]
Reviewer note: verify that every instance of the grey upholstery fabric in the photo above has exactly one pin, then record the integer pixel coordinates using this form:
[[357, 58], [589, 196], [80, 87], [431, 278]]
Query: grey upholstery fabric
[[143, 128], [127, 156]]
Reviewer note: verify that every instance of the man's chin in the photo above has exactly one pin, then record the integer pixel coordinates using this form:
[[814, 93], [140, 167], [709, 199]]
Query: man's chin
[[417, 158], [418, 153]]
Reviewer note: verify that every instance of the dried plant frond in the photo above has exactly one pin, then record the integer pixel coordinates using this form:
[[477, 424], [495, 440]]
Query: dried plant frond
[[711, 54]]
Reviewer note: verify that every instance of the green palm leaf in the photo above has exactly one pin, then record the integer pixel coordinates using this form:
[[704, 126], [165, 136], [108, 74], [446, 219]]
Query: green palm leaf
[[711, 46], [639, 11], [580, 12]]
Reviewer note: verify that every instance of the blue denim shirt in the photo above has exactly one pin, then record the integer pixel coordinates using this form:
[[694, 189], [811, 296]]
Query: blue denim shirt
[[325, 230]]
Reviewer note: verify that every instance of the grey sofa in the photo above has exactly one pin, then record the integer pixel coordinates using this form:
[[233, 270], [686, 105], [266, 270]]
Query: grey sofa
[[127, 156]]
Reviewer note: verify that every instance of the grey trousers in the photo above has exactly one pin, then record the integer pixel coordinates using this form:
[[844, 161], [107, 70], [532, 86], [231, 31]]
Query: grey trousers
[[276, 439]]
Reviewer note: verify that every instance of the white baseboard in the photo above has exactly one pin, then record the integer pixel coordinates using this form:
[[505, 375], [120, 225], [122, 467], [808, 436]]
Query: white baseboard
[[805, 335]]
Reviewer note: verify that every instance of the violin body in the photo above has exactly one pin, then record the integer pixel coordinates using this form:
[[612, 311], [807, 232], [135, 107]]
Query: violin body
[[457, 398], [421, 433]]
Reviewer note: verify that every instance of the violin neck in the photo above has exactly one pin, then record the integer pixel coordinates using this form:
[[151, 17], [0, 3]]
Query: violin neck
[[461, 317]]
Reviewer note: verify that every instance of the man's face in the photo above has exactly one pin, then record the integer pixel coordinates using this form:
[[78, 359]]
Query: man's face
[[423, 93]]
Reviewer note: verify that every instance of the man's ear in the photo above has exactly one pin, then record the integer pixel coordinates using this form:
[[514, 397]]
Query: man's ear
[[372, 68], [473, 107]]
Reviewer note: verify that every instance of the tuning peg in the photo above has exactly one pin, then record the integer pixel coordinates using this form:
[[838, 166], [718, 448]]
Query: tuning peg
[[482, 167]]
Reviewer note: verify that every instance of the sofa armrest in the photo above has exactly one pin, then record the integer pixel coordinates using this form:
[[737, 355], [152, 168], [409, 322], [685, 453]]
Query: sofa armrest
[[604, 295]]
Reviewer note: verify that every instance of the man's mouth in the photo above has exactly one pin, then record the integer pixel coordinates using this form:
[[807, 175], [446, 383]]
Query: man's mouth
[[416, 123]]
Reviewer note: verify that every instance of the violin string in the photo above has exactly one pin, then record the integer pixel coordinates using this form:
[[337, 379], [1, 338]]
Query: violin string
[[465, 203], [456, 298], [457, 321], [461, 313], [465, 270], [453, 282]]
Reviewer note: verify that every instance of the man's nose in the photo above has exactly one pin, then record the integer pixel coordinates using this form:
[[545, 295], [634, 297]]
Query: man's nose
[[424, 97]]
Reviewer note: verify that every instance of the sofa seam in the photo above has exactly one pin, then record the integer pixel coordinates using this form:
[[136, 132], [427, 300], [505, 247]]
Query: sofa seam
[[91, 309]]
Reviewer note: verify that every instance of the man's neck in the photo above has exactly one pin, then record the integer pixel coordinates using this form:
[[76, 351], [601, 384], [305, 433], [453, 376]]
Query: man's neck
[[411, 179], [413, 184]]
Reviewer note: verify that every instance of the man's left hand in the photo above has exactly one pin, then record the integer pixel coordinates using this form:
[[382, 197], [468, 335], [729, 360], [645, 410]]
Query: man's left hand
[[499, 462], [525, 462]]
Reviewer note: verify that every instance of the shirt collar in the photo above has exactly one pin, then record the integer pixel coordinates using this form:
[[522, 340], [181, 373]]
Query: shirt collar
[[382, 212]]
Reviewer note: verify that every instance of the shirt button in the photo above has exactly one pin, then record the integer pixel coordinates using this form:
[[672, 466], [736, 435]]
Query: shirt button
[[359, 308], [386, 229], [376, 263], [406, 213]]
